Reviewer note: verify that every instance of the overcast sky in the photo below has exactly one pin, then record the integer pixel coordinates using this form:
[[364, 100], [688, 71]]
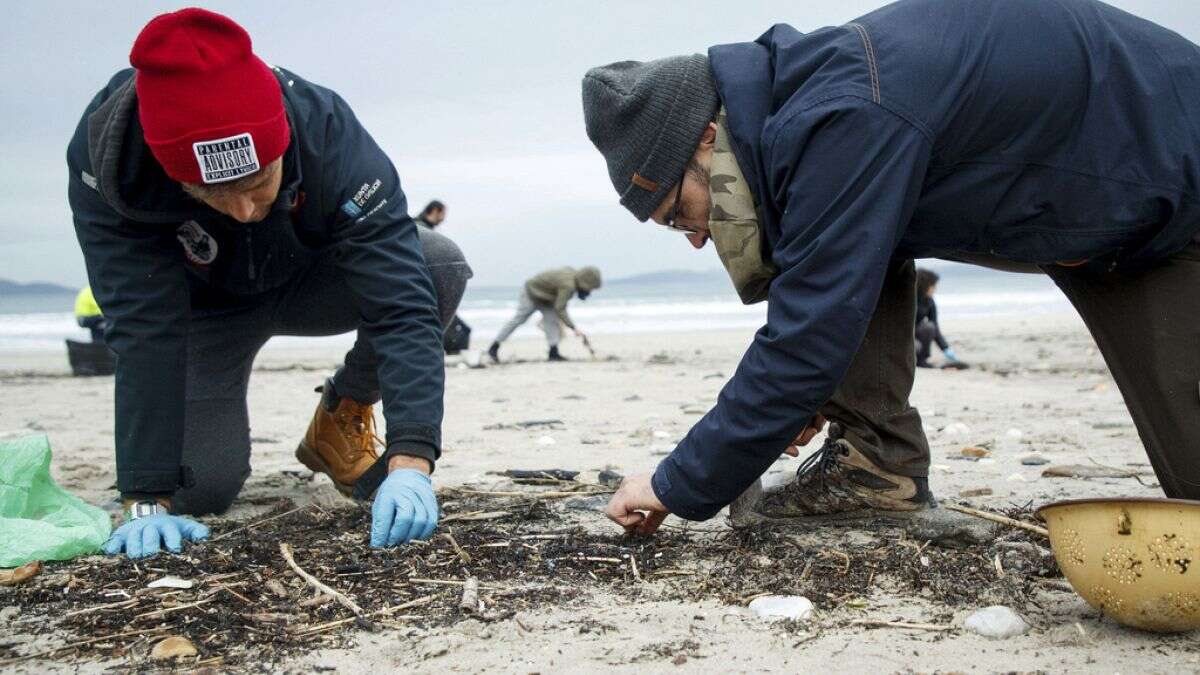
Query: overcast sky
[[477, 103]]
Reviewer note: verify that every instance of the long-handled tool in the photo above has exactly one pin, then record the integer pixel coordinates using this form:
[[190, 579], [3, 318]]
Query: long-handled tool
[[588, 343]]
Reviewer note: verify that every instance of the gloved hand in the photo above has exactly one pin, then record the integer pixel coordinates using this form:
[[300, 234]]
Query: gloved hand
[[948, 352], [404, 509], [143, 537]]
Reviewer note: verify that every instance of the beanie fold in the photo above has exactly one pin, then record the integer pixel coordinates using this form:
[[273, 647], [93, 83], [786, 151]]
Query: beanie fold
[[647, 119], [211, 111]]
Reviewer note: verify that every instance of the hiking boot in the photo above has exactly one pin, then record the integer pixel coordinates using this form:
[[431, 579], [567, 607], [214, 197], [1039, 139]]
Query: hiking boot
[[494, 352], [838, 481], [340, 441], [555, 356]]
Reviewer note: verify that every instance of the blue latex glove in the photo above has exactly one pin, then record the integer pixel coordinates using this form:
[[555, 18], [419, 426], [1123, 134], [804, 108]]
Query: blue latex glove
[[948, 352], [144, 537], [404, 509]]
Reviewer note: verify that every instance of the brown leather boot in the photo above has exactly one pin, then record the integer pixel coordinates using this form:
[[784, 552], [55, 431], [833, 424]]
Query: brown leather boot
[[838, 481], [340, 443]]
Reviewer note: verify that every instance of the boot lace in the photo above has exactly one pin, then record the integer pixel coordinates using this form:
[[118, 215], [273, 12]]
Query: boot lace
[[822, 462], [357, 424]]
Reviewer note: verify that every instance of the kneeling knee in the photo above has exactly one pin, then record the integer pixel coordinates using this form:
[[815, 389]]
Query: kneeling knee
[[203, 500]]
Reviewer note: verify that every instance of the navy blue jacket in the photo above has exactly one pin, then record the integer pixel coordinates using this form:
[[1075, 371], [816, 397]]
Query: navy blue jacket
[[138, 231], [1035, 131]]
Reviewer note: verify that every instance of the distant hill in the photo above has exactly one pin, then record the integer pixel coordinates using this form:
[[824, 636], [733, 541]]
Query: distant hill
[[8, 287], [670, 277]]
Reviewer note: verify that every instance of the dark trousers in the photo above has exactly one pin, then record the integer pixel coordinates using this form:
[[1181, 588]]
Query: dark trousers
[[95, 324], [225, 337], [870, 407], [1147, 327], [1144, 322], [925, 334]]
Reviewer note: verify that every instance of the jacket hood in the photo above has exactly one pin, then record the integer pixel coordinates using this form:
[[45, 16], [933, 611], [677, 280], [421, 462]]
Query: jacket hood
[[119, 157], [587, 279]]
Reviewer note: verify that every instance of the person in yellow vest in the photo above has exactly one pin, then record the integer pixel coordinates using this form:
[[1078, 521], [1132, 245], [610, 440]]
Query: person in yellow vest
[[88, 314]]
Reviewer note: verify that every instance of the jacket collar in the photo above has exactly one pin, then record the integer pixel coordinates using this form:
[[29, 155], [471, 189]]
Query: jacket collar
[[742, 72]]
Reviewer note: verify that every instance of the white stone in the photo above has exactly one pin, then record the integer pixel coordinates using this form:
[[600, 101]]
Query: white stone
[[775, 607], [997, 622], [956, 429], [546, 440], [171, 582], [658, 433]]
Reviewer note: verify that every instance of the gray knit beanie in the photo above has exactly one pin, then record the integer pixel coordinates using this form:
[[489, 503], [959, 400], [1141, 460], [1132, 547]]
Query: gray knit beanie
[[647, 119]]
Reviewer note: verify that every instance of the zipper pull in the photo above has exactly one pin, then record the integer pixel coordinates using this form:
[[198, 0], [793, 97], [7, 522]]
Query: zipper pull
[[250, 254]]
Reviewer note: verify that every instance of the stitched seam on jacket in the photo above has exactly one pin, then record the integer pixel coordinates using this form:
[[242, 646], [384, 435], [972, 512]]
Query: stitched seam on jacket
[[871, 66]]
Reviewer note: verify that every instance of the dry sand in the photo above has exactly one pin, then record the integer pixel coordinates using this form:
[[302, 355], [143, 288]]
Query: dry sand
[[1039, 375]]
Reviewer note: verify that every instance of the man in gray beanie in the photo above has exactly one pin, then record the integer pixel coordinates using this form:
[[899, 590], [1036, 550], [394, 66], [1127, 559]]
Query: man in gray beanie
[[822, 164]]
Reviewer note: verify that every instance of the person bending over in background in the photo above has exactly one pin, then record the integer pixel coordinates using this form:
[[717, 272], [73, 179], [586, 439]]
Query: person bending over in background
[[549, 293], [927, 329], [220, 202]]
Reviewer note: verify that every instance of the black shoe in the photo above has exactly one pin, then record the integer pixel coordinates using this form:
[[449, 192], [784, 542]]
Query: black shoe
[[555, 356], [494, 352], [839, 481], [924, 364]]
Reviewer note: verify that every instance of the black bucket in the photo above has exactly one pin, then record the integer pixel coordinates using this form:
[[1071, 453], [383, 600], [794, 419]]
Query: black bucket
[[90, 358], [458, 336]]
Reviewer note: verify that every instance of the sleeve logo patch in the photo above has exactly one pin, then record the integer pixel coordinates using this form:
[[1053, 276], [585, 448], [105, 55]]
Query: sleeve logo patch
[[351, 209], [225, 159], [198, 246]]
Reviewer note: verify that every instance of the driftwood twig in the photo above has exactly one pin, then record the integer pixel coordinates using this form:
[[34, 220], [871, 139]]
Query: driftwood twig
[[872, 623], [286, 551], [257, 523], [462, 555], [73, 645], [997, 518], [321, 628]]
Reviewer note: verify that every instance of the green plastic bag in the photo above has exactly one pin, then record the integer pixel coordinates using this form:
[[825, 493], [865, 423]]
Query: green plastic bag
[[38, 519]]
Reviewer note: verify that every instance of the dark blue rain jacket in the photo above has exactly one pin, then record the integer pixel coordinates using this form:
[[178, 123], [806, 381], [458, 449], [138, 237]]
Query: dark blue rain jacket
[[148, 247], [1036, 131]]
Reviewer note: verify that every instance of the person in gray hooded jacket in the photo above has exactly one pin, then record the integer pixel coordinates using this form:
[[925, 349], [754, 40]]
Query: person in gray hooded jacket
[[548, 293]]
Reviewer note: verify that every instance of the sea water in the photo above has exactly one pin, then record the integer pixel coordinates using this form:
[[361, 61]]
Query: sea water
[[664, 303]]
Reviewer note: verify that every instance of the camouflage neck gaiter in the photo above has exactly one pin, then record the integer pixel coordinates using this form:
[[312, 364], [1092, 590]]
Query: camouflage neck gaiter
[[733, 223]]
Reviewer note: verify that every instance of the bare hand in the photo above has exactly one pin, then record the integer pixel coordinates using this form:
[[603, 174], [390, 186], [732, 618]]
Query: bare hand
[[813, 428], [635, 506]]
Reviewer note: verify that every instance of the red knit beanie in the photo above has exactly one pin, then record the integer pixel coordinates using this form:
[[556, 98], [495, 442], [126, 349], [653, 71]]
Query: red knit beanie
[[211, 110]]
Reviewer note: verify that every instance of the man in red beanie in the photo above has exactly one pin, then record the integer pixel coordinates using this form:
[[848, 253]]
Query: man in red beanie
[[220, 202]]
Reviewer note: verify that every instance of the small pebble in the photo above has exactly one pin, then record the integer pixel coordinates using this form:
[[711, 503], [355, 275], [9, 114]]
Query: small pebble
[[774, 607], [997, 622], [171, 582], [1034, 460]]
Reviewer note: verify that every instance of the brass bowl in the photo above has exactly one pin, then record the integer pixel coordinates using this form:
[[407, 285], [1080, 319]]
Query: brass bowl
[[1136, 560]]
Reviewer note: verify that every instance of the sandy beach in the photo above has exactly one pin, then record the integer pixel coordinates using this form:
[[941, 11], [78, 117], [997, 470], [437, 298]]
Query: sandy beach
[[1038, 385]]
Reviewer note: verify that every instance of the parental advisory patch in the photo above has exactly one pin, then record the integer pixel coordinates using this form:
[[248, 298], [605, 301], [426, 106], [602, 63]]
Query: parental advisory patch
[[226, 159]]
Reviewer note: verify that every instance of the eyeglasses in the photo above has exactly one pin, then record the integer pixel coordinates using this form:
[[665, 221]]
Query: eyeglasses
[[673, 214]]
